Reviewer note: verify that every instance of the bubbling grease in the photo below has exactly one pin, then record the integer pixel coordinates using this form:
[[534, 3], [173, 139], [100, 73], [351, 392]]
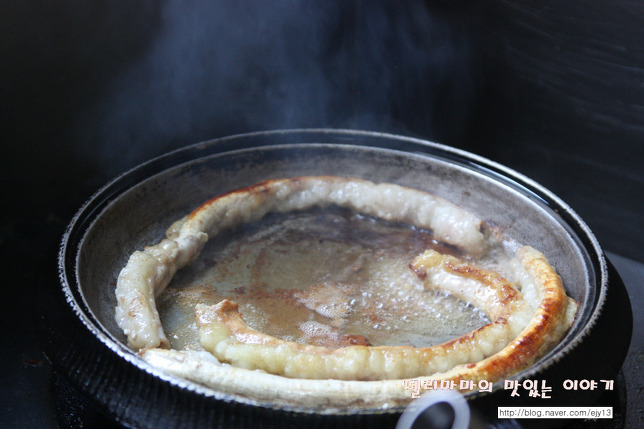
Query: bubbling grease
[[323, 277]]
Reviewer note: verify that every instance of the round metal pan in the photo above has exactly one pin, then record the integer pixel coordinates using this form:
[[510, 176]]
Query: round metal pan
[[135, 209]]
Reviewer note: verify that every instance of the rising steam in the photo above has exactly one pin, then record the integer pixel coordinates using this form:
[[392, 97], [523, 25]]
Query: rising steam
[[223, 67]]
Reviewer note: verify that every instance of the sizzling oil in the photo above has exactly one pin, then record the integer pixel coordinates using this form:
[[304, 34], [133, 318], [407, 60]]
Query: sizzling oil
[[329, 278]]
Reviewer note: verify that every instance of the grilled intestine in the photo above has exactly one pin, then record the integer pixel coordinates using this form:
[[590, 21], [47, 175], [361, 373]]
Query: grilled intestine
[[334, 279]]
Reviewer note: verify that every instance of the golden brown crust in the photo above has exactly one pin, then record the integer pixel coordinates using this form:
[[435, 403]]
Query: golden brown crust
[[552, 318]]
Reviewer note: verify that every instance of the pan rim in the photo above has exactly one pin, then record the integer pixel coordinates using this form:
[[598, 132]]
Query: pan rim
[[79, 224]]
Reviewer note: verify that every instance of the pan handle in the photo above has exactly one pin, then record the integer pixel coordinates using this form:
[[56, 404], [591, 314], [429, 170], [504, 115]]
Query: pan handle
[[439, 409]]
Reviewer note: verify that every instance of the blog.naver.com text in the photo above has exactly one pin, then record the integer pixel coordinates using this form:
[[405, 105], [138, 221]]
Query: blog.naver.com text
[[555, 412]]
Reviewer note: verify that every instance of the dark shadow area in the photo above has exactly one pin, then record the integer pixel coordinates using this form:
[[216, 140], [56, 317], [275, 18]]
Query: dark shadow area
[[564, 105]]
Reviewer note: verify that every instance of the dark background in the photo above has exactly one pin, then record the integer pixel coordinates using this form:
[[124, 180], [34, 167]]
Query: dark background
[[88, 89]]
